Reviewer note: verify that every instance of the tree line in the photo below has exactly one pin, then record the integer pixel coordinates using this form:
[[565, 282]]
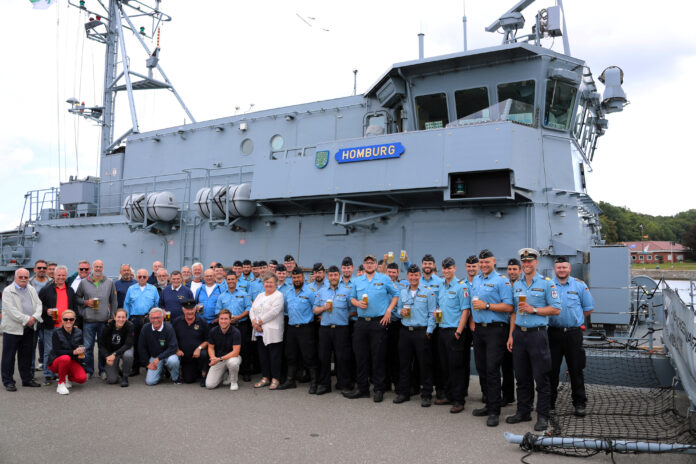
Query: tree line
[[620, 224]]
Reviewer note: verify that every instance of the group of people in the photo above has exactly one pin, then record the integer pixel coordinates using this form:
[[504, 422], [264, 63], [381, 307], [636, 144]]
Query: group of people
[[215, 325]]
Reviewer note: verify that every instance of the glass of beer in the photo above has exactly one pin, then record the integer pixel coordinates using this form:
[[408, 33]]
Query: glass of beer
[[199, 308], [390, 257], [522, 298], [438, 316], [95, 303], [329, 306], [364, 298], [82, 354], [473, 299], [402, 256], [54, 314], [167, 316], [407, 310]]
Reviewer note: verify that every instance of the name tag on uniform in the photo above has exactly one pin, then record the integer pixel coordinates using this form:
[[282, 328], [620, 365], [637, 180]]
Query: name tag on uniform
[[378, 285], [239, 296], [421, 296], [537, 289], [573, 293], [489, 285]]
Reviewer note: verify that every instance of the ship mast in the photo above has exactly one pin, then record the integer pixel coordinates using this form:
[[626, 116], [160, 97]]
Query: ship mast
[[108, 27]]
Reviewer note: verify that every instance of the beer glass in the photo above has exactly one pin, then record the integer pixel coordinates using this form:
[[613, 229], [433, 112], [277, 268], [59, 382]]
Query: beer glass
[[95, 303], [167, 316], [81, 355], [390, 257], [329, 306], [364, 298], [54, 314], [438, 316], [407, 309], [473, 299], [522, 298]]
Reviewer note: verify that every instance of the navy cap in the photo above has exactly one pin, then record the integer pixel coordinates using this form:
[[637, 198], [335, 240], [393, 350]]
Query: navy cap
[[561, 259], [188, 304], [297, 270], [317, 267], [428, 257], [347, 261], [486, 253], [413, 268], [281, 267], [528, 254], [333, 269], [472, 259], [448, 262], [514, 262], [288, 258]]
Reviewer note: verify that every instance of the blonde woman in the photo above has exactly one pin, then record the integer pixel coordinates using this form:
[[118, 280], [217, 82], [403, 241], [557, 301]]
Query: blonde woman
[[266, 317], [67, 353]]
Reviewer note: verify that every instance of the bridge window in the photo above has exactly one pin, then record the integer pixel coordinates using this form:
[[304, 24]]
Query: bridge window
[[432, 111], [471, 101], [519, 101], [247, 146], [560, 98], [376, 124]]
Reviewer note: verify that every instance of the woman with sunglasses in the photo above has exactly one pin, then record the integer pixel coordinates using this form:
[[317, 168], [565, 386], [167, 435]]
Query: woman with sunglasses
[[67, 354]]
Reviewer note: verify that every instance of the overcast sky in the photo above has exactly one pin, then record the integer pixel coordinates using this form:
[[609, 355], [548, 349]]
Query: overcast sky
[[223, 54]]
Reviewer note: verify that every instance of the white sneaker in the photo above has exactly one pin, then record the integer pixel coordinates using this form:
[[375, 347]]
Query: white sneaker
[[234, 386], [68, 383], [62, 389]]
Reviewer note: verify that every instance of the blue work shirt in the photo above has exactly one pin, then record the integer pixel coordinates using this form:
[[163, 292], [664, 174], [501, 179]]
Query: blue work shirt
[[171, 300], [249, 278], [223, 285], [237, 302], [575, 298], [423, 304], [349, 285], [452, 300], [140, 302], [380, 291], [300, 305], [493, 289], [284, 289], [433, 283], [209, 302], [398, 285], [255, 287], [541, 292], [341, 305], [314, 286]]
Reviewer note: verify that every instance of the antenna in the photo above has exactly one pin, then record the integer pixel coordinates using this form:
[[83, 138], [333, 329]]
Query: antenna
[[107, 27], [355, 82], [464, 22]]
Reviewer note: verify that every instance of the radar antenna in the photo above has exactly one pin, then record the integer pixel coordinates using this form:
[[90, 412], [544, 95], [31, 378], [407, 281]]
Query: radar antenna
[[511, 21], [107, 27]]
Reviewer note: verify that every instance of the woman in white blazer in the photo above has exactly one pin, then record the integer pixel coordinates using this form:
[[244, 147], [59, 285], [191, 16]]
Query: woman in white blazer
[[266, 317]]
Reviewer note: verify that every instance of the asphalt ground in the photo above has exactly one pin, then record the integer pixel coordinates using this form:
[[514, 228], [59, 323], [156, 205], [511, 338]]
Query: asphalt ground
[[168, 423]]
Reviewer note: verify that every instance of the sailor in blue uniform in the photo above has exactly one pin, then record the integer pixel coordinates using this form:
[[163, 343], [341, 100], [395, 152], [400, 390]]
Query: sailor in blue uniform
[[514, 270], [290, 264], [374, 296], [347, 281], [333, 305], [491, 300], [565, 334], [431, 280], [254, 287], [454, 305], [238, 303], [529, 341], [394, 328], [319, 281], [417, 304], [299, 339], [207, 296]]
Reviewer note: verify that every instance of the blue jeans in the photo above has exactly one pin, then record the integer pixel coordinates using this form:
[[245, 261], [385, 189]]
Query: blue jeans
[[90, 332], [48, 346], [172, 363]]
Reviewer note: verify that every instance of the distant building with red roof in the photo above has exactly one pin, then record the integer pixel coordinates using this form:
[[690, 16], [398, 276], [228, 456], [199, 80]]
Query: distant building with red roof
[[652, 251]]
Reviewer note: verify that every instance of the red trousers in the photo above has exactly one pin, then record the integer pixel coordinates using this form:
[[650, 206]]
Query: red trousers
[[64, 365]]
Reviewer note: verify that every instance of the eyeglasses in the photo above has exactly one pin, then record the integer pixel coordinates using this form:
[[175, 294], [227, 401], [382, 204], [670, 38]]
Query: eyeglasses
[[41, 268], [22, 277], [68, 319], [83, 269], [142, 277]]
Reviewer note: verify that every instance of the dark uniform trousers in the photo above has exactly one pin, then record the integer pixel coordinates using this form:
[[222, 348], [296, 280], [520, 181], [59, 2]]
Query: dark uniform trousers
[[300, 344], [568, 343], [508, 390], [532, 358], [438, 378], [455, 358], [393, 370], [353, 369], [248, 348], [489, 348], [191, 368], [19, 346], [336, 339], [414, 344], [370, 346]]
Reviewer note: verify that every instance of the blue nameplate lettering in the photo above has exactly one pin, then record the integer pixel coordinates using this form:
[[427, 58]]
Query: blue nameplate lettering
[[373, 152]]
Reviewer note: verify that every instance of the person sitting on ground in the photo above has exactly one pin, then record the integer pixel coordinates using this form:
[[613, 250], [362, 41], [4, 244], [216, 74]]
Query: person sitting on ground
[[224, 345], [157, 345], [116, 342], [67, 354]]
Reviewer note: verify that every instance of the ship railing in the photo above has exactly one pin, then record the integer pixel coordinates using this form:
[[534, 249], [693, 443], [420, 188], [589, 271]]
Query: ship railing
[[40, 204], [299, 152]]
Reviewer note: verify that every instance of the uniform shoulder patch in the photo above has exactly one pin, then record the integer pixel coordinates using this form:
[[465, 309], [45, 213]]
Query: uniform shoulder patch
[[546, 278], [462, 281]]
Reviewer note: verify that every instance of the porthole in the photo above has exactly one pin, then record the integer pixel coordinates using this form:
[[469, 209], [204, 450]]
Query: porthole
[[247, 146], [277, 142]]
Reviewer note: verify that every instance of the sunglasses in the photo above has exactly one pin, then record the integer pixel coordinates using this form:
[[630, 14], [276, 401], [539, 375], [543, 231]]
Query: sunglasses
[[142, 277], [83, 269], [41, 268], [68, 319], [22, 277]]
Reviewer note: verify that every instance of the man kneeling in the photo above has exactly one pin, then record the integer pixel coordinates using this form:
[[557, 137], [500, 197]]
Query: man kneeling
[[224, 344], [158, 345]]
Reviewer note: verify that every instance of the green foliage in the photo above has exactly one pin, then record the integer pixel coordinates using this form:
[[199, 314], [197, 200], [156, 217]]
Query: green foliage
[[623, 225]]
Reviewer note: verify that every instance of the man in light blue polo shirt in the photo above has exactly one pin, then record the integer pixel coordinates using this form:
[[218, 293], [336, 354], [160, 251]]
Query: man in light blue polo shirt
[[565, 334], [535, 299]]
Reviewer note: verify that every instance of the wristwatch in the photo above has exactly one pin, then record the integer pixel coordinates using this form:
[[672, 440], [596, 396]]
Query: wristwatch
[[535, 310], [200, 347], [488, 306]]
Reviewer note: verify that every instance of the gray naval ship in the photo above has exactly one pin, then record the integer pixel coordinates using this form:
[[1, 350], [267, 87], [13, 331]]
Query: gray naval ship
[[445, 155]]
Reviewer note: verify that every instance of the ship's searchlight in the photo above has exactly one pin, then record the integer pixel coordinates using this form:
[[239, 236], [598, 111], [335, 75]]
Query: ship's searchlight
[[614, 98]]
